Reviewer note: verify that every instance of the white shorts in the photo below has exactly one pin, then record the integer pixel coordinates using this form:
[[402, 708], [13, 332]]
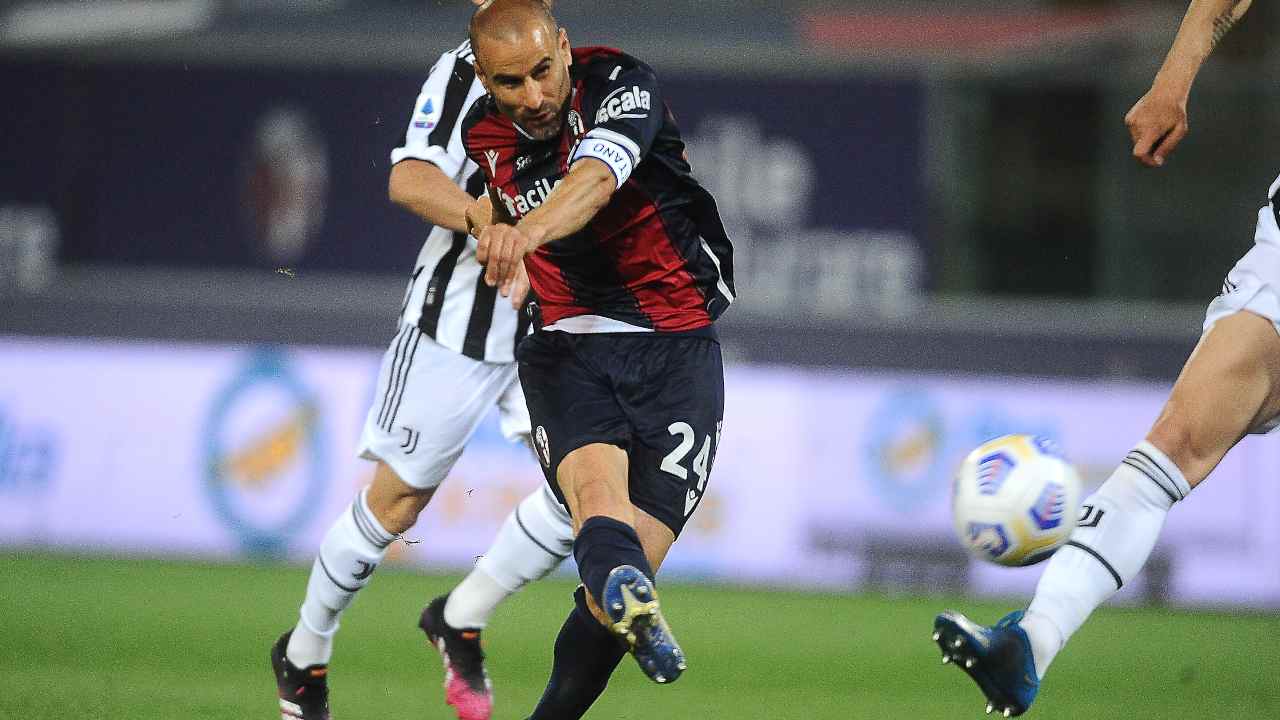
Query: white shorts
[[429, 402], [1254, 283]]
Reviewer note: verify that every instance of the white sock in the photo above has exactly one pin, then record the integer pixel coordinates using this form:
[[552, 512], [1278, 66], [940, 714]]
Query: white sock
[[351, 551], [536, 537], [1118, 529]]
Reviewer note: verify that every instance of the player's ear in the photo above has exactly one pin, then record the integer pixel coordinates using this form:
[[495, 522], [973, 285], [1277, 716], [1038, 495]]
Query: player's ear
[[566, 52], [481, 75]]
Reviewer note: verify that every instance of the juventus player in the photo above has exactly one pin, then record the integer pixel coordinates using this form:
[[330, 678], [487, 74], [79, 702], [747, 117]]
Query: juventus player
[[452, 360], [1229, 387], [631, 266]]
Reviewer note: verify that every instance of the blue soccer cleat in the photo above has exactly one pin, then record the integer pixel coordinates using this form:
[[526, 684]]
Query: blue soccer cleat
[[998, 658], [631, 602]]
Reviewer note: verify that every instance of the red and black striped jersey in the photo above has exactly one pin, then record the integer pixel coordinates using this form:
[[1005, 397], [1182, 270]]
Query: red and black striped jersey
[[657, 256]]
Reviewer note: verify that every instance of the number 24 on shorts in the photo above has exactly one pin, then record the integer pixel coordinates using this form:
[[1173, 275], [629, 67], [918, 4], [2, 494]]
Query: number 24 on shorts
[[672, 463]]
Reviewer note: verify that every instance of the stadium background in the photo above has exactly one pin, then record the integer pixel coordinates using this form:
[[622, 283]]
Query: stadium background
[[941, 238]]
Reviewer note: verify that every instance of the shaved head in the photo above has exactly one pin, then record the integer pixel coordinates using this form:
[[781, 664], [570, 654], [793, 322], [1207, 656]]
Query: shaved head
[[511, 21]]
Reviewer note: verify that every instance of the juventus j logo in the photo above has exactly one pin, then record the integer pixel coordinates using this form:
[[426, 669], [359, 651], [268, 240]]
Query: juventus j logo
[[366, 569], [1090, 516], [492, 157], [411, 440]]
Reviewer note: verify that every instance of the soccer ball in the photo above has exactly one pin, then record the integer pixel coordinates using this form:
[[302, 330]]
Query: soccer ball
[[1016, 500]]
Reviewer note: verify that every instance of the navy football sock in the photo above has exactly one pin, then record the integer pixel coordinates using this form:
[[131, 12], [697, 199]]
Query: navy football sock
[[585, 656], [602, 545]]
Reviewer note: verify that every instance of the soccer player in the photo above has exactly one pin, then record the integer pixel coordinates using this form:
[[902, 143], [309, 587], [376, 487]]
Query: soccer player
[[1229, 387], [630, 265], [452, 361]]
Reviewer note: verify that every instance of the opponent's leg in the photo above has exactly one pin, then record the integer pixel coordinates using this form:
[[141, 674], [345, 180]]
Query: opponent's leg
[[535, 538], [1230, 384], [351, 550]]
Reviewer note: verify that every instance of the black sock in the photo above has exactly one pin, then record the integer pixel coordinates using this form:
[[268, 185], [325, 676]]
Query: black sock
[[602, 545], [585, 656]]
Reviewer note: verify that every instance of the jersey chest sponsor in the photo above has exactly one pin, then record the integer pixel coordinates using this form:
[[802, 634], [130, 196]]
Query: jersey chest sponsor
[[521, 203], [624, 103]]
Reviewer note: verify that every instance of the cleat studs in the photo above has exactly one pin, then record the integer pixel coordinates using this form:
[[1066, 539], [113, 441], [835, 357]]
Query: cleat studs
[[617, 606], [946, 659], [663, 678], [1007, 712], [990, 707], [969, 662], [681, 666], [937, 636], [957, 643]]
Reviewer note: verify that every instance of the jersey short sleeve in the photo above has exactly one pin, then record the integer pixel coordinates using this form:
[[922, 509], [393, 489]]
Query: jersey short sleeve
[[625, 117], [434, 133]]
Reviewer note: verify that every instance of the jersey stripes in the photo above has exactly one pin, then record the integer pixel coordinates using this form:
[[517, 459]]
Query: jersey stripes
[[447, 299]]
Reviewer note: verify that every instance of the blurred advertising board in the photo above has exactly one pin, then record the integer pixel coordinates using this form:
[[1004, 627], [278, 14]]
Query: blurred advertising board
[[837, 480], [819, 179]]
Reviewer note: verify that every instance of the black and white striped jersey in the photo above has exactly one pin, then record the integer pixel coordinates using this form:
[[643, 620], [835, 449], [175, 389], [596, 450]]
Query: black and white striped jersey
[[447, 298]]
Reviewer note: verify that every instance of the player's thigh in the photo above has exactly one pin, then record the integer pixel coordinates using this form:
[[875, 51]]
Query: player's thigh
[[675, 404], [1229, 387], [593, 481], [429, 402], [571, 407]]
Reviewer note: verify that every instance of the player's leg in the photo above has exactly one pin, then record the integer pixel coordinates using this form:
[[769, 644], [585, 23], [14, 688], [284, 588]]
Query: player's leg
[[429, 403], [534, 539], [1229, 386], [673, 400], [586, 650]]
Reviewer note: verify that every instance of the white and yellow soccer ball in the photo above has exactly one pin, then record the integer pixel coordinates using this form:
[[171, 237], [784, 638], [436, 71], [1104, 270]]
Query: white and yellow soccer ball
[[1016, 500]]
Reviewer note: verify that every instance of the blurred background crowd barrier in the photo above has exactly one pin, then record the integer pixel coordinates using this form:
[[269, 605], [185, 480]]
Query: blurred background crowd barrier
[[941, 237]]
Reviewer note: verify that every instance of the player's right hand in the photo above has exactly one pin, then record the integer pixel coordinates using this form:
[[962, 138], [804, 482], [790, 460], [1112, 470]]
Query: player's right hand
[[1157, 123]]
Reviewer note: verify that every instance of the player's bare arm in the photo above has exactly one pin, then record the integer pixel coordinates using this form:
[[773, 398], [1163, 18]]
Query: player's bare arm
[[424, 190], [583, 193], [1158, 122]]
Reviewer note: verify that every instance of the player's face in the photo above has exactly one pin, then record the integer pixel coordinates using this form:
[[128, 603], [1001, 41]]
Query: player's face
[[529, 79]]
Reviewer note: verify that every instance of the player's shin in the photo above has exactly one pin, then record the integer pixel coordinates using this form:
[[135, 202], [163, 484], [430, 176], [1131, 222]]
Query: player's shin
[[586, 654], [353, 547], [603, 544], [535, 538], [1118, 529]]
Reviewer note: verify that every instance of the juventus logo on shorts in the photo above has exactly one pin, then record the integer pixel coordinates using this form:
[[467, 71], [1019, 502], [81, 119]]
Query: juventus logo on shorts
[[411, 440]]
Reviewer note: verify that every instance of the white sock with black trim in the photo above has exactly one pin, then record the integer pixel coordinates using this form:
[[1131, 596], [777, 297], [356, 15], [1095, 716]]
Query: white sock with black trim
[[351, 551], [1118, 529], [535, 538]]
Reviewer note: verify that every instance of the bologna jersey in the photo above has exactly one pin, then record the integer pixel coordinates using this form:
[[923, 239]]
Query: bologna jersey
[[447, 299], [656, 258]]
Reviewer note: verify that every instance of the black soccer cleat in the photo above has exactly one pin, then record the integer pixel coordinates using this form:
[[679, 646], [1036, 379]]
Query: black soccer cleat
[[303, 692], [466, 684]]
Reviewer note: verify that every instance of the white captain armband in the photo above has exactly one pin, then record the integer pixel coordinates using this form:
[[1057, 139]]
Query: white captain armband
[[613, 149]]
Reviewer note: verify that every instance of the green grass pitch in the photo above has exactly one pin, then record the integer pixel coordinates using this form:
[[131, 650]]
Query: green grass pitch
[[136, 639]]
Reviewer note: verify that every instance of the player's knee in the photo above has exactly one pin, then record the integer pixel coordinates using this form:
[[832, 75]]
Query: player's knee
[[1187, 439], [395, 503]]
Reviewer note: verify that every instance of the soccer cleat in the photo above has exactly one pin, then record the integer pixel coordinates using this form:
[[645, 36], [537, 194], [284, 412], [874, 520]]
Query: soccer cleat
[[631, 603], [303, 692], [466, 684], [998, 658]]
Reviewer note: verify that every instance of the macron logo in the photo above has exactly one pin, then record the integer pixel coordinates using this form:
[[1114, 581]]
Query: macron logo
[[622, 103], [492, 157]]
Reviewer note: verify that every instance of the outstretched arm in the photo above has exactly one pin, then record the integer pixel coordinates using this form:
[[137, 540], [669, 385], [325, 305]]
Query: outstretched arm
[[583, 193], [1158, 122]]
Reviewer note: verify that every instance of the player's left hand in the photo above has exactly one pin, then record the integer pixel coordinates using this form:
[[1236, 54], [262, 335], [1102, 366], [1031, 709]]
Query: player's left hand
[[501, 249], [1157, 123]]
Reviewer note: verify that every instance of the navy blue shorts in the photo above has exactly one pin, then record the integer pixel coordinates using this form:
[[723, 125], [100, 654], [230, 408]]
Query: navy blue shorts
[[659, 397]]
